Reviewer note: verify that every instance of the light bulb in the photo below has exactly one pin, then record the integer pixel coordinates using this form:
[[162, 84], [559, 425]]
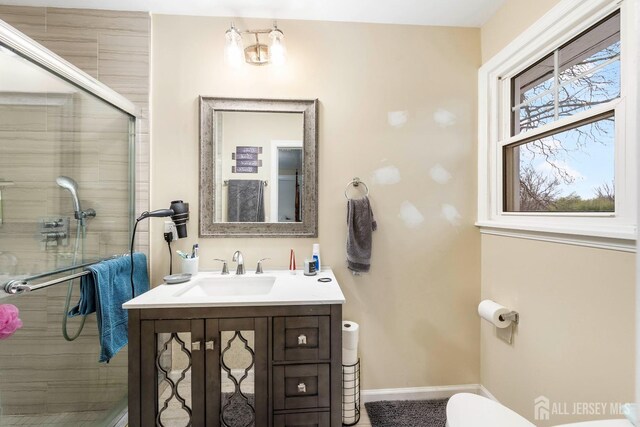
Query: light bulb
[[233, 48], [277, 48]]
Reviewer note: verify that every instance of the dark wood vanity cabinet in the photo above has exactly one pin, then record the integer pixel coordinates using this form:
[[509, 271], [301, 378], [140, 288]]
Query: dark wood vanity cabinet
[[275, 366]]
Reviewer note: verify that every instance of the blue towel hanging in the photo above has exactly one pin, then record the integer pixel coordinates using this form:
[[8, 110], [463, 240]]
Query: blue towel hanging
[[103, 291]]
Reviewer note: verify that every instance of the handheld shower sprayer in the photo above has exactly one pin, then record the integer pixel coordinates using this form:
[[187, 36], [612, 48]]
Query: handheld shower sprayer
[[71, 186]]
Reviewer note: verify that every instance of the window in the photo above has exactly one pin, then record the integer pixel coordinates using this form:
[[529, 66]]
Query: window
[[557, 129], [570, 169], [576, 77], [567, 170]]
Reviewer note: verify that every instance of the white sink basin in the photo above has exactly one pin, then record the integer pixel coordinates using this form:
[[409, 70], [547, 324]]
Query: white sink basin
[[211, 289], [228, 286]]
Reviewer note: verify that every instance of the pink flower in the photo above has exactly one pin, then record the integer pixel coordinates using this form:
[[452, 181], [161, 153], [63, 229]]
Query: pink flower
[[9, 320]]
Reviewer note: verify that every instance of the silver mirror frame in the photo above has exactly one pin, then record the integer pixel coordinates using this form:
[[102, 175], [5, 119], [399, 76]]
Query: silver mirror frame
[[309, 225]]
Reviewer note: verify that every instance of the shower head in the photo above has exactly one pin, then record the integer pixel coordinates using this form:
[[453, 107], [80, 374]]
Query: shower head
[[70, 185]]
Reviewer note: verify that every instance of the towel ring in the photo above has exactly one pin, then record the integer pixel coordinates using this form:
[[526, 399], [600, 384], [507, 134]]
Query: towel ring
[[356, 183]]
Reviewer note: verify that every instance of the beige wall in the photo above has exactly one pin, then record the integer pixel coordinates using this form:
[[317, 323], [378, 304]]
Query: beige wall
[[509, 21], [417, 306], [575, 342]]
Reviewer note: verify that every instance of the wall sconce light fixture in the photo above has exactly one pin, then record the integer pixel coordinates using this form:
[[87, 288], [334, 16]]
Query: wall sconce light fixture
[[271, 51]]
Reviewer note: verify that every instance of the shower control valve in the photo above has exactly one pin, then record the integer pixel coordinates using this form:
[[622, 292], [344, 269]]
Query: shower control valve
[[54, 232], [53, 223]]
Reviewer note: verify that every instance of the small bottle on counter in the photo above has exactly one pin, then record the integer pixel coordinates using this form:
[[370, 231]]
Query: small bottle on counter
[[316, 256], [292, 262], [309, 267]]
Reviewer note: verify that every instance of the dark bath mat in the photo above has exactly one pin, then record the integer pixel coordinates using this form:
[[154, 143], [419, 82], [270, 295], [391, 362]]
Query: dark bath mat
[[408, 413], [239, 412]]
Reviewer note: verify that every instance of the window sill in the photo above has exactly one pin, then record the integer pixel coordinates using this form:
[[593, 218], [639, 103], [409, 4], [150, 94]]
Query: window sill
[[619, 238]]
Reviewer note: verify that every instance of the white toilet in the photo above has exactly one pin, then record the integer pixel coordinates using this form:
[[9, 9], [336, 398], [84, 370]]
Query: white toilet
[[471, 410]]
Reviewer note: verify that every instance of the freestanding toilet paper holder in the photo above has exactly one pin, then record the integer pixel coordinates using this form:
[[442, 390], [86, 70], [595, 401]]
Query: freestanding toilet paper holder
[[351, 394]]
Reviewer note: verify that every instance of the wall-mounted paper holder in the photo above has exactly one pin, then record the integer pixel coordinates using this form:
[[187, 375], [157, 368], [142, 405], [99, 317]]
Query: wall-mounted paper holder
[[506, 334], [504, 319], [514, 316]]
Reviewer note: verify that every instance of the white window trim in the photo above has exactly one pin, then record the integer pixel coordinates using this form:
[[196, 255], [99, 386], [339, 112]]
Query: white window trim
[[561, 24]]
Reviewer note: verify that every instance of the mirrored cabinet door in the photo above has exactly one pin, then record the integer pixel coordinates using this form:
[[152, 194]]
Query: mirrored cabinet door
[[237, 392], [204, 372], [173, 369]]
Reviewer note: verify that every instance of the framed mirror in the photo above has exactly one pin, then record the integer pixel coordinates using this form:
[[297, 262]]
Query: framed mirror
[[258, 167]]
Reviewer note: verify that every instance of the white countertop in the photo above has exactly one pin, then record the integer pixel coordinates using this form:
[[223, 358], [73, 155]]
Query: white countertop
[[211, 289]]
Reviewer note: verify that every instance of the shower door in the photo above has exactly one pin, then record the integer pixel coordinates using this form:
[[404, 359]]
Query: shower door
[[65, 199]]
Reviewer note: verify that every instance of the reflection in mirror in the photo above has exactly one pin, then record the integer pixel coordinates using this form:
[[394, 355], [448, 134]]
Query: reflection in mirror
[[237, 397], [258, 167], [287, 181], [173, 361]]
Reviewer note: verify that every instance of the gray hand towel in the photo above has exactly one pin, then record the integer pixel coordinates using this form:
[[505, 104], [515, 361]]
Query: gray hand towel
[[245, 202], [360, 224]]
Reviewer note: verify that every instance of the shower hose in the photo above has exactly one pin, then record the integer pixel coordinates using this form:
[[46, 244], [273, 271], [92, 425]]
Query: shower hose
[[80, 233]]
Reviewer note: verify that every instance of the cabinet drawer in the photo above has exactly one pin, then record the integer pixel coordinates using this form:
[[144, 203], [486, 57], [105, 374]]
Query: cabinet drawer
[[301, 338], [307, 419], [301, 387]]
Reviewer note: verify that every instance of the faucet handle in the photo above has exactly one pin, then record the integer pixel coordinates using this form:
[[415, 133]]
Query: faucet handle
[[225, 269], [259, 266]]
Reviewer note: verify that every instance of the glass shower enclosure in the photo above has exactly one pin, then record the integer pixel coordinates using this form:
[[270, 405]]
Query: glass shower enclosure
[[66, 199]]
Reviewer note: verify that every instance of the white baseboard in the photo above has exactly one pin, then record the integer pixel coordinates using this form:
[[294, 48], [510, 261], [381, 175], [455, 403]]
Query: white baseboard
[[486, 393], [424, 393]]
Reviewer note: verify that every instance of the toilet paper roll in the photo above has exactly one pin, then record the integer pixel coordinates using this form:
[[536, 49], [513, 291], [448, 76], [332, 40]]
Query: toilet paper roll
[[491, 312], [350, 394], [350, 332], [349, 357]]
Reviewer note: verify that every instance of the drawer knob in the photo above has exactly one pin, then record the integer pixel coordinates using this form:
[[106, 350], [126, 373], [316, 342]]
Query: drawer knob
[[302, 388], [195, 345], [209, 345], [302, 339]]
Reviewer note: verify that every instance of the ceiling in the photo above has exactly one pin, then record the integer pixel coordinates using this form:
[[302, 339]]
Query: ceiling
[[459, 13]]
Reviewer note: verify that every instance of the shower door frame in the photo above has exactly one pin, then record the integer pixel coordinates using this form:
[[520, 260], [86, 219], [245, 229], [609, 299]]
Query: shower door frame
[[35, 52]]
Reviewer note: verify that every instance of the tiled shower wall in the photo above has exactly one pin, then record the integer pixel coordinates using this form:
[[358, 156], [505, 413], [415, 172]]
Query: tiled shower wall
[[41, 373], [113, 47], [43, 136]]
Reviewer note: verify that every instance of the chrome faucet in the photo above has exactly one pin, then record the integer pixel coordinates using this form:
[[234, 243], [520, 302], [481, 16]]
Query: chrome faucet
[[237, 257]]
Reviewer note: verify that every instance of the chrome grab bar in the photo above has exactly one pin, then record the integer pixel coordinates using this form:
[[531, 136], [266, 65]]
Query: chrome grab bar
[[19, 286]]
